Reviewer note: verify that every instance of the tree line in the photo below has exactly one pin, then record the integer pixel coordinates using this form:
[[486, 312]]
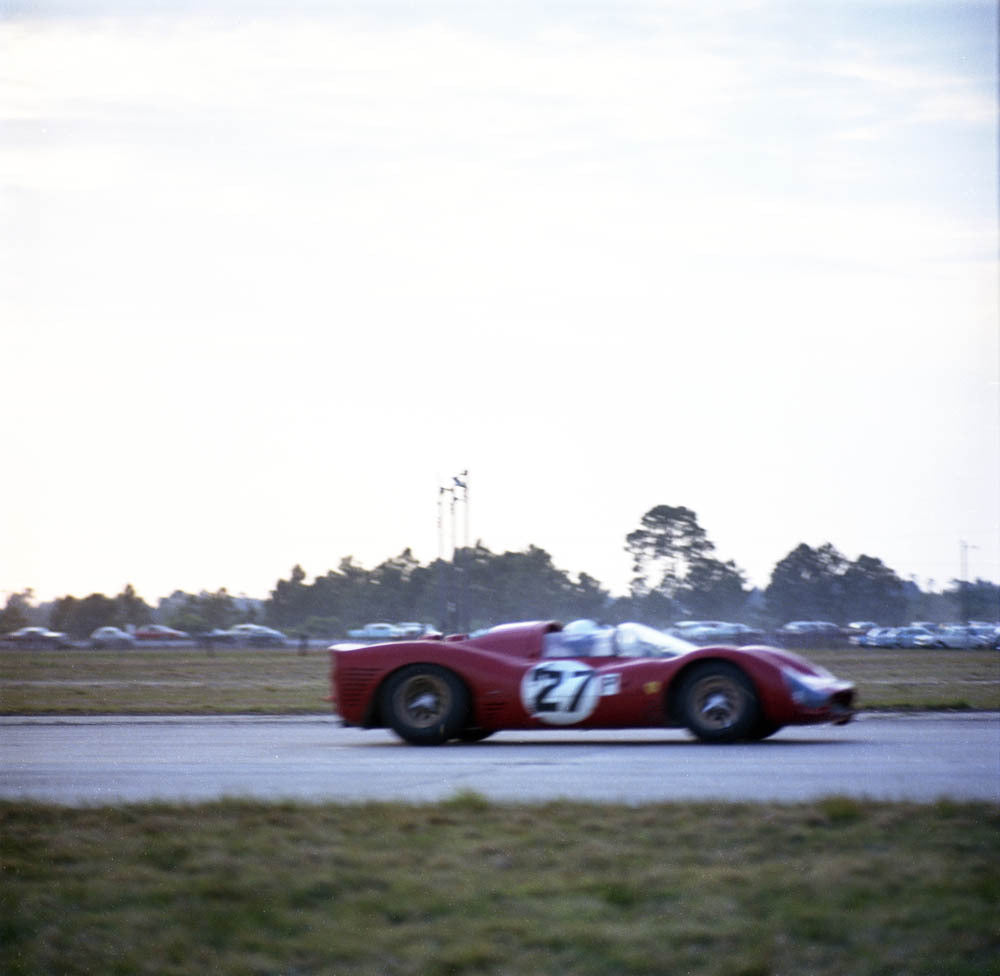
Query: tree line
[[675, 575]]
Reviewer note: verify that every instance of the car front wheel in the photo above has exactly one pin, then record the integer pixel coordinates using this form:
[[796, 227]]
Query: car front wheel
[[425, 704], [474, 734], [763, 730], [719, 704]]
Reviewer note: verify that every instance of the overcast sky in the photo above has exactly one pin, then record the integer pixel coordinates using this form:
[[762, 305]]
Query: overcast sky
[[269, 277]]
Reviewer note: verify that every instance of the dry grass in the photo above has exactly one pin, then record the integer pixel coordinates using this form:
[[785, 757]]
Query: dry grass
[[181, 681], [158, 682], [890, 678]]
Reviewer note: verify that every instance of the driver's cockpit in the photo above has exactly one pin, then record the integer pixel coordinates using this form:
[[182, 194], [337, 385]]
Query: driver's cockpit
[[585, 638]]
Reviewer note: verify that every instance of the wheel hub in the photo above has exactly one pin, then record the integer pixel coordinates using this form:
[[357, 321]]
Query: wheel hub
[[423, 703], [719, 703], [425, 700], [716, 706]]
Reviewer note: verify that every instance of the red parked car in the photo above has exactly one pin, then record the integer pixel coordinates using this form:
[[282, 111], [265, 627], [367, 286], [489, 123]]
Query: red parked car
[[542, 675]]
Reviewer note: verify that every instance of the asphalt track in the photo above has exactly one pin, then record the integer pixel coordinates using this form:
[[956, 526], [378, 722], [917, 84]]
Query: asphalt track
[[114, 759]]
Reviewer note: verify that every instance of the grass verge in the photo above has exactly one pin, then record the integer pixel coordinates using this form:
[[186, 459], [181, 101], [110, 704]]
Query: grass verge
[[163, 682], [180, 681], [469, 887], [918, 679]]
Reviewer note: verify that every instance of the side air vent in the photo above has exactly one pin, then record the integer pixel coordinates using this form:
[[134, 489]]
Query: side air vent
[[490, 709], [355, 684]]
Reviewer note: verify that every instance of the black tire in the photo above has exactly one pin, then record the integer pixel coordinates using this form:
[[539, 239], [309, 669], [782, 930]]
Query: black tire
[[763, 730], [474, 735], [719, 704], [425, 704]]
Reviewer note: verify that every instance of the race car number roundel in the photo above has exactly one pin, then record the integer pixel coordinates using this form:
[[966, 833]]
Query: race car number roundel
[[560, 692]]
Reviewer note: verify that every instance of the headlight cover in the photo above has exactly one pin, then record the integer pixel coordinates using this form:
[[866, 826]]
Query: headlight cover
[[807, 690]]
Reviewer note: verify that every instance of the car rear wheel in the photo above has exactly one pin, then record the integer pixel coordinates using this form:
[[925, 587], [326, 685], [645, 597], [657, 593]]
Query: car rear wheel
[[425, 704], [719, 704]]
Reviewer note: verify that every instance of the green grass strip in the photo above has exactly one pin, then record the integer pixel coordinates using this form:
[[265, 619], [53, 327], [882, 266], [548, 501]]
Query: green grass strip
[[468, 887]]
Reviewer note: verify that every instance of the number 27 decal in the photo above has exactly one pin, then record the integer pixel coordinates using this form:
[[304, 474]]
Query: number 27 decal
[[562, 692]]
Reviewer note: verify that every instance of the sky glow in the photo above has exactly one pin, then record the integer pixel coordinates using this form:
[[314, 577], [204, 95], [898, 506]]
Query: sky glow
[[268, 279]]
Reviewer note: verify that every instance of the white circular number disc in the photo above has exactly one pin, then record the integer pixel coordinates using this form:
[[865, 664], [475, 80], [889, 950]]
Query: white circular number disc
[[560, 692]]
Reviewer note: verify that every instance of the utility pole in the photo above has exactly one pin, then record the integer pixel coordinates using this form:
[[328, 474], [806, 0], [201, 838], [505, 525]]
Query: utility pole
[[451, 576], [443, 614], [963, 585], [453, 609], [460, 554]]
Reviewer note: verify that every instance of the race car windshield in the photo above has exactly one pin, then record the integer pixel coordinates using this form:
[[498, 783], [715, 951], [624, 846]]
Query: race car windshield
[[638, 640], [587, 639]]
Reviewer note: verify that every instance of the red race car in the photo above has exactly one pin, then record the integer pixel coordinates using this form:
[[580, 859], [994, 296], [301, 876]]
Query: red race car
[[543, 675]]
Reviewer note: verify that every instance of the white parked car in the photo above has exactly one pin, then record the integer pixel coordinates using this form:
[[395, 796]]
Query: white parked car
[[412, 628], [986, 634], [879, 637], [113, 637], [377, 632], [38, 637], [959, 636], [916, 637], [716, 632], [857, 630]]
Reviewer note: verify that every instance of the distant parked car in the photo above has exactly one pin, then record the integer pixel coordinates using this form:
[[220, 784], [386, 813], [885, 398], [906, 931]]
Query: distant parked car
[[809, 633], [959, 636], [380, 632], [703, 632], [810, 627], [217, 636], [38, 637], [741, 635], [158, 632], [916, 637], [858, 629], [257, 635], [691, 630], [986, 634], [412, 628], [111, 637], [878, 637]]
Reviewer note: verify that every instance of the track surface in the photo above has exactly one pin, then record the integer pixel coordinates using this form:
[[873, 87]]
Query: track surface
[[117, 759]]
